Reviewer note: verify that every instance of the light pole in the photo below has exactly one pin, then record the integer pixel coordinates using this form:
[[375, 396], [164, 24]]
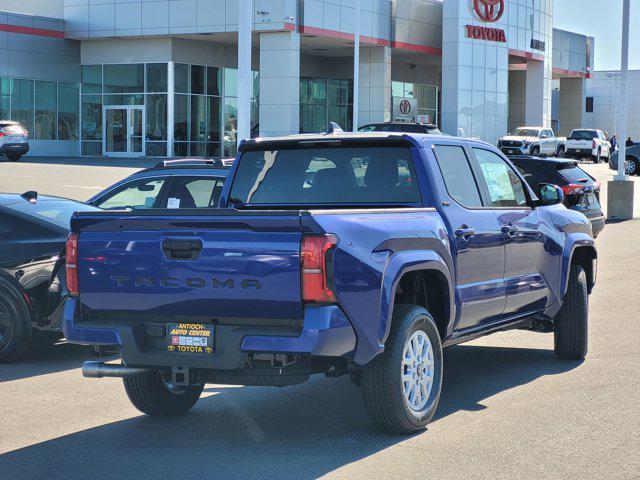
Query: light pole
[[356, 69], [245, 88], [620, 196]]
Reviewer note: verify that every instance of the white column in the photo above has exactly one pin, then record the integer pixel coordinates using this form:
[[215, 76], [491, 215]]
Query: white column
[[245, 21], [279, 83], [374, 85], [534, 88], [171, 91], [622, 118], [356, 70]]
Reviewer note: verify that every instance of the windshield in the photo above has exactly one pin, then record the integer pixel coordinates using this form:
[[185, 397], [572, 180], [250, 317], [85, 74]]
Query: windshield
[[57, 212], [583, 135], [526, 132], [326, 176]]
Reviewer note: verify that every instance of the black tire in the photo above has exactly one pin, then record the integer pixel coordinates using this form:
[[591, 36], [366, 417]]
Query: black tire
[[632, 167], [14, 158], [560, 152], [15, 323], [570, 331], [382, 385], [151, 395], [535, 151]]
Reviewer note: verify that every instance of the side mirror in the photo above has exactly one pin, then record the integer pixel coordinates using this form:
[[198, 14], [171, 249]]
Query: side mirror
[[549, 194]]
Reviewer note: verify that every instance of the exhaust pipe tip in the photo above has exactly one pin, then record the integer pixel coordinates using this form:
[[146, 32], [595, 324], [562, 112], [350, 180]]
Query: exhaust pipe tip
[[93, 369]]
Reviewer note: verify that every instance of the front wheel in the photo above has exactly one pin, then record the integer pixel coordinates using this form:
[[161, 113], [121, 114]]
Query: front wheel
[[632, 167], [153, 396], [401, 387], [570, 332], [560, 152], [14, 158], [535, 151]]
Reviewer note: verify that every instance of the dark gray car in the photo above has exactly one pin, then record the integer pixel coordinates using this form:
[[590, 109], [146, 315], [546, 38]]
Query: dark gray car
[[632, 166]]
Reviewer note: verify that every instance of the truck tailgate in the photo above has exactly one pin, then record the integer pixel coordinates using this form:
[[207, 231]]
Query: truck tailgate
[[225, 264]]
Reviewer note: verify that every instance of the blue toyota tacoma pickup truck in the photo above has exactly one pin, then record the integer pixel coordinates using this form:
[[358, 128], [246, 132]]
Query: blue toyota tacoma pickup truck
[[359, 254]]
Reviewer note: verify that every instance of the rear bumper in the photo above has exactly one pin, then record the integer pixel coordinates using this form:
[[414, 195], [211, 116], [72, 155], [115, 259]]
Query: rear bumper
[[14, 149], [580, 152], [326, 332]]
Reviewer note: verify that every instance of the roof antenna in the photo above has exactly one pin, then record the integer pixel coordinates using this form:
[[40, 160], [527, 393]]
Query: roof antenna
[[30, 196], [333, 129]]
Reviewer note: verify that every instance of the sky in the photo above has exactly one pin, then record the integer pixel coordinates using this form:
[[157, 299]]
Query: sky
[[601, 19]]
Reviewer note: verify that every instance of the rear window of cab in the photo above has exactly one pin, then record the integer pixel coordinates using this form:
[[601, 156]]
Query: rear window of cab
[[343, 176]]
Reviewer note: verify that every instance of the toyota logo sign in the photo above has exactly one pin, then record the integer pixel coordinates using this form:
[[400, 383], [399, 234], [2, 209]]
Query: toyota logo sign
[[489, 10], [405, 107]]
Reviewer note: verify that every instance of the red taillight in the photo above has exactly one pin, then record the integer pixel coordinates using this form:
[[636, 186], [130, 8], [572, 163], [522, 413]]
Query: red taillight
[[572, 188], [2, 134], [72, 264], [317, 268]]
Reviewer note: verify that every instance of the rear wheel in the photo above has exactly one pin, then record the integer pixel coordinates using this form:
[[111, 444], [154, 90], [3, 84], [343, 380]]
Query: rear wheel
[[535, 151], [15, 324], [153, 396], [560, 152], [14, 158], [401, 387], [571, 322]]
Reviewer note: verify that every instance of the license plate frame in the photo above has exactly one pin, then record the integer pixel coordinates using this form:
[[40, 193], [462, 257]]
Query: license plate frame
[[192, 338]]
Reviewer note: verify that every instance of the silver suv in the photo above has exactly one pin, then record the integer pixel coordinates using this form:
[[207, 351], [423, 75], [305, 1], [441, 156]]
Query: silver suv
[[14, 140]]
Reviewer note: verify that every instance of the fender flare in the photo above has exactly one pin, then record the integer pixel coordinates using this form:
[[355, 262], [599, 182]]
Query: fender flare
[[398, 265], [573, 242]]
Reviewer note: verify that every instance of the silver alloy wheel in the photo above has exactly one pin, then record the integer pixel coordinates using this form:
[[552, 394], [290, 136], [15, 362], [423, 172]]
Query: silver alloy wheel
[[630, 167], [417, 371]]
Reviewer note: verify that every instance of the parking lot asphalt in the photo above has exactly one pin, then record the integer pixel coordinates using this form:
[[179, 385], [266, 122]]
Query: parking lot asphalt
[[509, 409]]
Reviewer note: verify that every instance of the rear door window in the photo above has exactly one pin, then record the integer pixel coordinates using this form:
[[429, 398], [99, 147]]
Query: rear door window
[[576, 175], [458, 177], [193, 192]]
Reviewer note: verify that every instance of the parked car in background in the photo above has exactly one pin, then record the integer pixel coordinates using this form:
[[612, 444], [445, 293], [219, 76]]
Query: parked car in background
[[407, 127], [33, 232], [536, 141], [337, 254], [184, 183], [14, 140], [632, 164], [588, 143], [581, 190]]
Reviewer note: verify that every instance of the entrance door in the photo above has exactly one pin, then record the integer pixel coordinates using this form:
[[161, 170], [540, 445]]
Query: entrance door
[[123, 131]]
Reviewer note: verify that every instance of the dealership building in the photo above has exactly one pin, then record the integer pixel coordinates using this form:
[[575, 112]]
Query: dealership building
[[159, 77]]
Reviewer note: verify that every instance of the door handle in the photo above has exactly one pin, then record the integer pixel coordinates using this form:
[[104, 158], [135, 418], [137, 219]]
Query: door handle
[[465, 232], [510, 230]]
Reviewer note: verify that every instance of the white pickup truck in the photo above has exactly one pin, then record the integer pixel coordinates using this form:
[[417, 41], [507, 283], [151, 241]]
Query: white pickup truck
[[588, 143], [536, 141]]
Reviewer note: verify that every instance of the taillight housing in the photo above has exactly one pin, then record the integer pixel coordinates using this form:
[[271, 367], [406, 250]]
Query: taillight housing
[[72, 264], [572, 188], [316, 257]]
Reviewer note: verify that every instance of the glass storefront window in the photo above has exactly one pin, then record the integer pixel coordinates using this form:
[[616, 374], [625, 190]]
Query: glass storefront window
[[198, 118], [213, 119], [231, 82], [156, 77], [230, 126], [197, 79], [181, 119], [91, 114], [156, 117], [45, 110], [92, 79], [137, 99], [214, 81], [22, 102], [5, 96], [181, 74], [128, 78], [68, 116], [323, 101]]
